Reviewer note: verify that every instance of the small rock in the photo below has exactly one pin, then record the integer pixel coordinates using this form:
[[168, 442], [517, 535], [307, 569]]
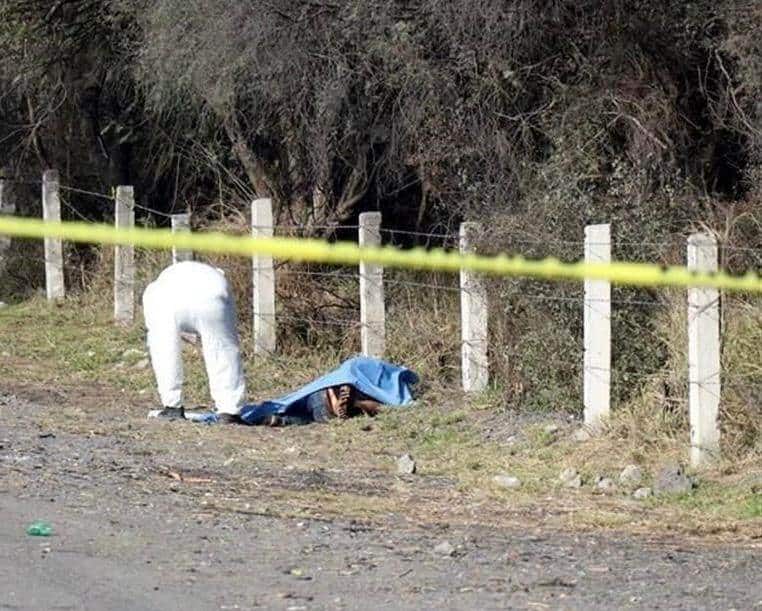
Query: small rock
[[132, 352], [406, 465], [673, 480], [581, 435], [3, 305], [631, 474], [142, 364], [570, 478], [550, 429], [605, 484], [642, 493], [299, 574], [507, 481], [445, 549]]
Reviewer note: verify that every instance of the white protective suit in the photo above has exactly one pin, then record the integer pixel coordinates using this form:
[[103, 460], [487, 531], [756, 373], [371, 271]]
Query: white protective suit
[[193, 297]]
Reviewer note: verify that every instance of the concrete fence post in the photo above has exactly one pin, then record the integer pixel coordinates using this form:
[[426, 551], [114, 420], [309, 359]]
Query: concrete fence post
[[703, 353], [473, 317], [181, 222], [597, 330], [51, 213], [372, 307], [263, 280], [124, 258], [7, 206]]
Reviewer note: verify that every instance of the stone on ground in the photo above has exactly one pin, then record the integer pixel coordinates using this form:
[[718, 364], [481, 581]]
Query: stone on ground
[[642, 493], [445, 549], [550, 429], [406, 465], [581, 434], [631, 475], [606, 484], [142, 364], [570, 478], [507, 481], [673, 480]]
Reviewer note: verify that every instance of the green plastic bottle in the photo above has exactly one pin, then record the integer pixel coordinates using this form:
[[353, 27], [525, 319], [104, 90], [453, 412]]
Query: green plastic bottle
[[39, 529]]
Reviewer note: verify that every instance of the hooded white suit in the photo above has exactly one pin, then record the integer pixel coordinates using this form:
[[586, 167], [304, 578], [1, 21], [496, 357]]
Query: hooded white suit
[[193, 297]]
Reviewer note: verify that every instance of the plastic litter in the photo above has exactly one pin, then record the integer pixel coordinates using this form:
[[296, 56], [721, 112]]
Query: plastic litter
[[39, 529]]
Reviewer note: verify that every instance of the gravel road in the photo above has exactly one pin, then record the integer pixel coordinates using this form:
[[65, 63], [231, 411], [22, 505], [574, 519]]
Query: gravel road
[[121, 542]]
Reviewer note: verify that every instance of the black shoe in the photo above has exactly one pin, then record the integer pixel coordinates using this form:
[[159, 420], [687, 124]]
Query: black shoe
[[170, 413], [229, 419]]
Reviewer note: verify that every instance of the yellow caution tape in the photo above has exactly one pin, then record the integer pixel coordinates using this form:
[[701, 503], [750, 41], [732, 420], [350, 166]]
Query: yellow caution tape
[[348, 253]]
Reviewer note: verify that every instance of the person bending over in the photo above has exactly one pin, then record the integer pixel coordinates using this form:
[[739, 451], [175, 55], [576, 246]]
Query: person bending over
[[194, 298]]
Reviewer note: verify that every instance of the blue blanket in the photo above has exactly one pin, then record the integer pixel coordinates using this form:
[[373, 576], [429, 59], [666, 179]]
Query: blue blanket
[[386, 383], [382, 381]]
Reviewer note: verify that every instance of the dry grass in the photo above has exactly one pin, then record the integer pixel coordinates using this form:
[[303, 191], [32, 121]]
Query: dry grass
[[659, 412], [741, 410], [460, 442]]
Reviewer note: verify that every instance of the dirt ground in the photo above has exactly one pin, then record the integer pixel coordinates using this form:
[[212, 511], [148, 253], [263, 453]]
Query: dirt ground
[[150, 515]]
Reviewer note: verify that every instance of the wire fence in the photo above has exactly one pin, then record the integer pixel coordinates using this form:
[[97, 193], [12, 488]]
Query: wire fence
[[536, 339]]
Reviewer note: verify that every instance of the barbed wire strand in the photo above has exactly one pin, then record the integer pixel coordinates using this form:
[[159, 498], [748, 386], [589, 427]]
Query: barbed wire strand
[[76, 212], [345, 322], [154, 211], [421, 234], [297, 228], [85, 192], [336, 276]]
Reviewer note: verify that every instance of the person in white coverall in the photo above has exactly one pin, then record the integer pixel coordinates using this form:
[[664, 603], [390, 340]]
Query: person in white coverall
[[195, 298]]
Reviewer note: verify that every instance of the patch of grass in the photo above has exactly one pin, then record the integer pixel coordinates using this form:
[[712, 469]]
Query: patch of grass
[[538, 436], [491, 399], [753, 507], [716, 499], [70, 338], [446, 432]]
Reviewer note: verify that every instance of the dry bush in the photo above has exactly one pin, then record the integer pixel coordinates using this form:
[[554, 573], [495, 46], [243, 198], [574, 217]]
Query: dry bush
[[658, 411], [96, 278], [537, 327], [657, 416], [22, 272], [312, 310], [535, 345], [535, 333], [423, 326], [741, 405]]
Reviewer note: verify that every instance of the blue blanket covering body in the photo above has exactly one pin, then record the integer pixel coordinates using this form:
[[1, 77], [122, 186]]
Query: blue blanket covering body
[[389, 384]]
